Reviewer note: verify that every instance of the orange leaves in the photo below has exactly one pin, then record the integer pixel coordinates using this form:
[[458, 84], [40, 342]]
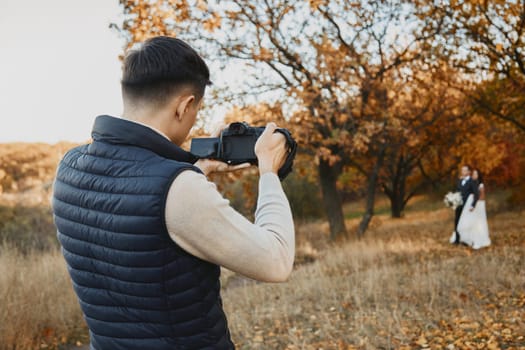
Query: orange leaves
[[262, 54], [332, 59], [422, 341], [467, 332], [326, 154], [202, 5], [315, 4], [146, 19], [494, 149], [257, 115], [24, 166], [489, 31], [212, 23], [232, 15], [360, 142]]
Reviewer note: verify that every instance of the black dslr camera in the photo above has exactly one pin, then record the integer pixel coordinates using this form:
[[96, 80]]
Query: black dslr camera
[[236, 144]]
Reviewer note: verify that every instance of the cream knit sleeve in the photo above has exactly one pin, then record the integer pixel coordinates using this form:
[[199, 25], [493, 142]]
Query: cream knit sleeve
[[203, 223]]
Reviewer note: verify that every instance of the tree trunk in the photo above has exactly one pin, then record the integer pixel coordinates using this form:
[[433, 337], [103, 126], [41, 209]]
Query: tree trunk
[[369, 207], [397, 202], [397, 199], [397, 206], [371, 193], [332, 202], [394, 185]]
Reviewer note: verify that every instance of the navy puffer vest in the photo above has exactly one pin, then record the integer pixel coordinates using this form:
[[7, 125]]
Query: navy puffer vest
[[137, 288]]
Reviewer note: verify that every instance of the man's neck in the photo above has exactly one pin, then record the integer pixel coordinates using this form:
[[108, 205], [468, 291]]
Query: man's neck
[[149, 126]]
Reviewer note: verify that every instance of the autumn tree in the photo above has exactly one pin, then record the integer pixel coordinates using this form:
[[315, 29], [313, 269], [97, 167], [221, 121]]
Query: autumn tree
[[486, 40], [27, 165], [328, 62], [431, 119]]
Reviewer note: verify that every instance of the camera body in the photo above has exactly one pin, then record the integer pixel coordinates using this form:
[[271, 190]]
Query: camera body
[[236, 144]]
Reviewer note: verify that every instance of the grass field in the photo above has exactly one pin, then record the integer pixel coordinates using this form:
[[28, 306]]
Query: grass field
[[403, 286]]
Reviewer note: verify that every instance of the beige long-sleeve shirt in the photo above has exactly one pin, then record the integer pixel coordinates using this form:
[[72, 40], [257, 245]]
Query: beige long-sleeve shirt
[[203, 223]]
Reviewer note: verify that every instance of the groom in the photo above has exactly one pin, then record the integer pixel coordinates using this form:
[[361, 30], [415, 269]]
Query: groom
[[466, 186]]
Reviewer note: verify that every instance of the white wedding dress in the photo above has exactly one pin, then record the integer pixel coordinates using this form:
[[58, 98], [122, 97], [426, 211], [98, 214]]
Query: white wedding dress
[[473, 227]]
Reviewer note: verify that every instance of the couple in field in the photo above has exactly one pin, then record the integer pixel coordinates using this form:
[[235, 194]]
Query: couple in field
[[470, 225]]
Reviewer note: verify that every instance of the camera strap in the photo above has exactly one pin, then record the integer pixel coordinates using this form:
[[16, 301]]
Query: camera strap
[[292, 150]]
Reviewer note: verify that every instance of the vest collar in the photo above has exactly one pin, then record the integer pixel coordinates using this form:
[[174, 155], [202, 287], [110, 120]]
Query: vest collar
[[120, 131]]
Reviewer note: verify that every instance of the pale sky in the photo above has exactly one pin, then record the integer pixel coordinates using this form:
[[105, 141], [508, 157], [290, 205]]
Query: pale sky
[[59, 68]]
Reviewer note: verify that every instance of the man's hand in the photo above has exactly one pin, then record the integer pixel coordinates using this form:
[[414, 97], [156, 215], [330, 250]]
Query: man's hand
[[270, 150], [208, 166]]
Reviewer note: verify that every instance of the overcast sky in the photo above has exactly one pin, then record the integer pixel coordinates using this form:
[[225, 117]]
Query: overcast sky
[[59, 68]]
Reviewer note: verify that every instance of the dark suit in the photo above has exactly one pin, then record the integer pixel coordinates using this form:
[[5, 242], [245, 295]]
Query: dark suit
[[466, 188]]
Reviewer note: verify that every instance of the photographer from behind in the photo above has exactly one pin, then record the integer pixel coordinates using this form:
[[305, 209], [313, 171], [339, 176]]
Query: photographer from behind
[[143, 231]]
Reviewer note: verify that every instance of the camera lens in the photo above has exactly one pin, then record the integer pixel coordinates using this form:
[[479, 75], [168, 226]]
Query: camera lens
[[237, 128]]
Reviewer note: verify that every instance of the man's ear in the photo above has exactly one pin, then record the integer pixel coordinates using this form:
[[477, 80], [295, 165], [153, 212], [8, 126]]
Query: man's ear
[[185, 104]]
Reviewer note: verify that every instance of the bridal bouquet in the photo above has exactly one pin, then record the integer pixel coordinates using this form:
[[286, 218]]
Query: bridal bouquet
[[453, 200]]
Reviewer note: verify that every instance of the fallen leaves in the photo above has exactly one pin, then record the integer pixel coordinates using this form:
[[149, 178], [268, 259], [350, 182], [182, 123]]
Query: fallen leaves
[[403, 287]]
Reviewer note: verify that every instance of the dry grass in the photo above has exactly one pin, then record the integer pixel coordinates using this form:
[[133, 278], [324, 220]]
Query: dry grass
[[38, 307], [403, 286]]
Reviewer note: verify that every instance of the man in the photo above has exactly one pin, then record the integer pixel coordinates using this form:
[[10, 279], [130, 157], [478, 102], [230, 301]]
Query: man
[[466, 186], [142, 230]]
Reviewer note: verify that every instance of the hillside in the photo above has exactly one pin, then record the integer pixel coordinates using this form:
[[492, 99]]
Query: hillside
[[29, 166]]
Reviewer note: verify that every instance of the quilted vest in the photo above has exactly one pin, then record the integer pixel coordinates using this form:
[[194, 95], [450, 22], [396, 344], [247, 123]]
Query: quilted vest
[[137, 288]]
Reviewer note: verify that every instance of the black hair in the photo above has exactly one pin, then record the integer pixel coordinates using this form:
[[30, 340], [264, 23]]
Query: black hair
[[160, 67], [480, 176]]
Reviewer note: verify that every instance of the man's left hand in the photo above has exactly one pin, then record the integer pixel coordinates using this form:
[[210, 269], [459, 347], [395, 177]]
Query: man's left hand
[[209, 166]]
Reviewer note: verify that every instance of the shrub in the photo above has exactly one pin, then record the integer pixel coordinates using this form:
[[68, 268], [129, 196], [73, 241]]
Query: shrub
[[27, 228]]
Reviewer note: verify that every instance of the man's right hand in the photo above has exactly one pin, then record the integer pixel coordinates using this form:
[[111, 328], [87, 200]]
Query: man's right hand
[[271, 150]]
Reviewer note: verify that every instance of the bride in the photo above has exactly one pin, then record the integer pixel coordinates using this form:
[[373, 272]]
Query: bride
[[472, 226]]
